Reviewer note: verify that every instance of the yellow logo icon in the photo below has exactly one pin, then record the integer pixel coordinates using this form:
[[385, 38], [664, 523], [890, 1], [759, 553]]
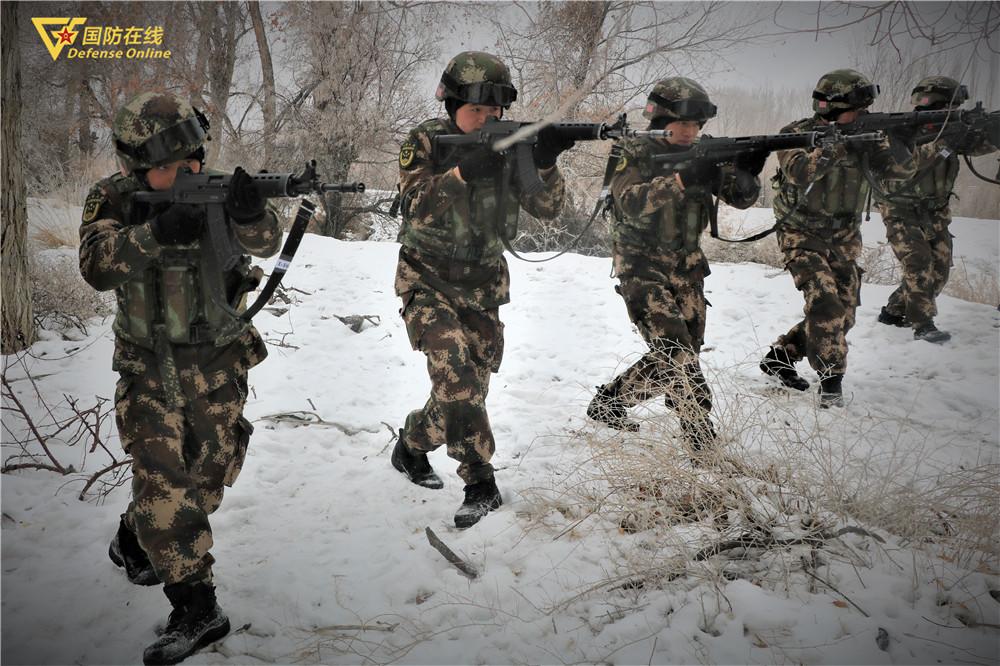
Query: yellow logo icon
[[55, 40], [406, 154]]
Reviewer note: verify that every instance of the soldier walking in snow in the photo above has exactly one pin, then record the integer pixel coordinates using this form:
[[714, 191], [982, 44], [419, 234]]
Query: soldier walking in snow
[[916, 213], [452, 276], [182, 357], [659, 215], [820, 195]]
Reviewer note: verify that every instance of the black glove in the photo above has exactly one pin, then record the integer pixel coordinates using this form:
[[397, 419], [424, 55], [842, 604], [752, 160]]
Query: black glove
[[178, 224], [699, 172], [244, 204], [752, 162], [550, 144], [480, 163]]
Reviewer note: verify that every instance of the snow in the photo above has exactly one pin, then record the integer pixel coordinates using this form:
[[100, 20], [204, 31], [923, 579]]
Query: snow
[[320, 532]]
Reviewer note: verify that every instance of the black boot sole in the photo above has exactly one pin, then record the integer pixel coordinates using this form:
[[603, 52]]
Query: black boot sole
[[468, 520], [794, 382], [208, 638], [431, 480], [146, 577]]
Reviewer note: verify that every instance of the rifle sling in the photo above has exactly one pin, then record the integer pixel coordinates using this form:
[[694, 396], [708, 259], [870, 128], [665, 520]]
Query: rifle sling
[[291, 246]]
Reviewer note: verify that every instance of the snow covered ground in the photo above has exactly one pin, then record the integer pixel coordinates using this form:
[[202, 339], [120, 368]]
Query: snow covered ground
[[321, 550]]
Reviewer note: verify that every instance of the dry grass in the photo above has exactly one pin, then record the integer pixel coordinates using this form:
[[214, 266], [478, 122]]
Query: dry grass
[[60, 297], [788, 484]]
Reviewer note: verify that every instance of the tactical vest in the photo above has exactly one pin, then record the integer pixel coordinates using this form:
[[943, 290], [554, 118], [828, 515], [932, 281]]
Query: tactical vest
[[834, 201], [474, 239], [932, 188], [675, 227], [172, 301]]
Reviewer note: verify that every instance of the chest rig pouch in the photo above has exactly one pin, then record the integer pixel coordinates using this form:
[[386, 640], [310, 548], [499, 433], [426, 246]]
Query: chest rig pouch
[[175, 300], [833, 201], [933, 186], [471, 230], [676, 226]]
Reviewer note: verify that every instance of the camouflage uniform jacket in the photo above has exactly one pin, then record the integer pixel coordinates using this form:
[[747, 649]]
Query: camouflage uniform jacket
[[451, 243], [656, 215], [937, 166], [117, 248], [825, 200]]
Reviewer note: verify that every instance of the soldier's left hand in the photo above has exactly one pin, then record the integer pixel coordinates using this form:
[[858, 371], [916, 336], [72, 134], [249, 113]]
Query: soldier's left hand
[[752, 162], [550, 144], [244, 204]]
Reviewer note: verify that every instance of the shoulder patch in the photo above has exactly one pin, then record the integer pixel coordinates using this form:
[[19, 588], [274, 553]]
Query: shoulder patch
[[406, 154], [93, 204]]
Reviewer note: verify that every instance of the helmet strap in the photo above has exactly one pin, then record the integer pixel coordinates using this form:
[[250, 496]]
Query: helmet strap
[[451, 105]]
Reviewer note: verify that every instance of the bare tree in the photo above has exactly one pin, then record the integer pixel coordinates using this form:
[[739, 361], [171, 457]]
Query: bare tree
[[267, 76], [17, 326], [355, 68]]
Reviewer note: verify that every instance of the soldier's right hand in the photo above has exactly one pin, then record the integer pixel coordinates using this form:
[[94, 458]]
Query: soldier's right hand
[[179, 224], [481, 163]]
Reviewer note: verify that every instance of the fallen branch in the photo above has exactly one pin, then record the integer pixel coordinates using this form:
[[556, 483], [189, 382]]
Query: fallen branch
[[460, 564], [303, 418], [98, 474]]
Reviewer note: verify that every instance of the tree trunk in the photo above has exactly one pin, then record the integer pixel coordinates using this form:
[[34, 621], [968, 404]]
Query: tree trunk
[[17, 326], [85, 142], [267, 71]]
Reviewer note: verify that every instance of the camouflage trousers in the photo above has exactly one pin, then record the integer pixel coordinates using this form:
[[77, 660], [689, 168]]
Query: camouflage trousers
[[665, 299], [830, 281], [464, 346], [922, 243], [181, 460]]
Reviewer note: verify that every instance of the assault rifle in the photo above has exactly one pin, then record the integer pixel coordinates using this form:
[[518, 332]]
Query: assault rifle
[[219, 243], [976, 119], [722, 150], [517, 139]]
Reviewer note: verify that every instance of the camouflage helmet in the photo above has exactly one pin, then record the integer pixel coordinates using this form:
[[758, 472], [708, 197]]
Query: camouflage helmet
[[679, 98], [475, 77], [939, 91], [157, 128], [843, 90]]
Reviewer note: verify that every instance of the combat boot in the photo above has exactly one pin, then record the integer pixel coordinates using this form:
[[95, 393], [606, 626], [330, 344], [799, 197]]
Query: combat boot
[[700, 435], [415, 466], [830, 392], [930, 333], [777, 364], [610, 410], [126, 553], [480, 499], [195, 622], [886, 317]]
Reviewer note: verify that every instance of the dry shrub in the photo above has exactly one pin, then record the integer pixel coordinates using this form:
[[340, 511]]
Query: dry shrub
[[974, 280], [60, 296], [786, 481], [53, 223]]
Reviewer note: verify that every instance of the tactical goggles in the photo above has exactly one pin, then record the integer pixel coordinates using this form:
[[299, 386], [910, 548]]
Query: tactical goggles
[[482, 92], [163, 146], [954, 96], [857, 96], [688, 109]]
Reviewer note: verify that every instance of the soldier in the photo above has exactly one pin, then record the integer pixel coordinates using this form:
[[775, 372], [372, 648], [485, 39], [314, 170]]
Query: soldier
[[916, 215], [659, 215], [182, 359], [452, 276], [820, 195]]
